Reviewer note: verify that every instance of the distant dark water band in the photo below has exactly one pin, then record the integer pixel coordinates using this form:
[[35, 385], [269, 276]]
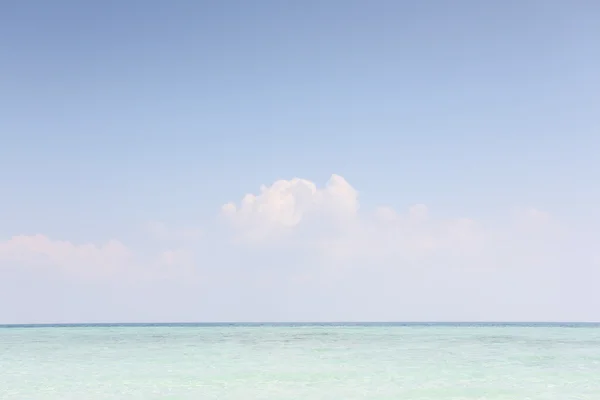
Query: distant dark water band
[[317, 324]]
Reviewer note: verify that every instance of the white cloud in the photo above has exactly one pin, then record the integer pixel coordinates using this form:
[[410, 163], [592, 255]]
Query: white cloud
[[286, 204], [299, 251], [109, 261], [519, 267], [328, 220], [321, 225], [80, 259]]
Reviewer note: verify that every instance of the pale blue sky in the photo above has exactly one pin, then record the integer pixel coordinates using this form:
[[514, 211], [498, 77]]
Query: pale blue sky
[[117, 113]]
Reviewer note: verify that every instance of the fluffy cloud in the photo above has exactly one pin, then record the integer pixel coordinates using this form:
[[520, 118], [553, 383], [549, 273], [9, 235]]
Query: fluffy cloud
[[299, 251], [297, 213], [54, 281], [520, 266], [283, 206], [86, 259]]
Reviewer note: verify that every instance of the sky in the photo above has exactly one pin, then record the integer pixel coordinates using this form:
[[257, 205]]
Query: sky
[[194, 161]]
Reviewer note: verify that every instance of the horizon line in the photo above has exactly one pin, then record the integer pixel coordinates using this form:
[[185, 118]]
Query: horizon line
[[294, 323]]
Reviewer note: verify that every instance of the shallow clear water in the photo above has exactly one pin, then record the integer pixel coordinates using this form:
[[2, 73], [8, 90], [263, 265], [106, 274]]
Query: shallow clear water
[[301, 362]]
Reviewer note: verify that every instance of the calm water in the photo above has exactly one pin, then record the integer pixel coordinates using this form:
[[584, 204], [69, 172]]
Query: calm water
[[417, 362]]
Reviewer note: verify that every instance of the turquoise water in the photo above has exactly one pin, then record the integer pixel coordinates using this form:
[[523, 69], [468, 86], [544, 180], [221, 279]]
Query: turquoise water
[[242, 362]]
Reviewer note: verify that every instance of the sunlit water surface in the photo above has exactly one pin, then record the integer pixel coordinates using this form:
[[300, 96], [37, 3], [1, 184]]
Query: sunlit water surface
[[241, 362]]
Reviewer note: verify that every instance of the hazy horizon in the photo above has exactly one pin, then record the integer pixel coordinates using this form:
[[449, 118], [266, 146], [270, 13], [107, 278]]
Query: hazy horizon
[[221, 324]]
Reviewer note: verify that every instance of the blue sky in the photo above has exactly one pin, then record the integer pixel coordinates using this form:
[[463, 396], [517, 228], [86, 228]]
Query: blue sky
[[119, 115]]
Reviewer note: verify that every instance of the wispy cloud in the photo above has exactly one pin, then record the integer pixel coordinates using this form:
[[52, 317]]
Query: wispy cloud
[[315, 252]]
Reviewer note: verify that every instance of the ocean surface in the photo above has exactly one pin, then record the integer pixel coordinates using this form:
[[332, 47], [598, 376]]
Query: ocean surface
[[310, 361]]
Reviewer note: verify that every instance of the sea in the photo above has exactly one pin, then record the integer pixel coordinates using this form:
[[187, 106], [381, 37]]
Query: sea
[[301, 361]]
